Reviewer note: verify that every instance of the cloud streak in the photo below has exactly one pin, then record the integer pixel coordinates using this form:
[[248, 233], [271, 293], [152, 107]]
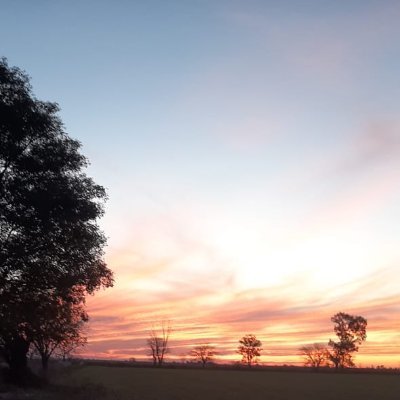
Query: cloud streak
[[282, 322]]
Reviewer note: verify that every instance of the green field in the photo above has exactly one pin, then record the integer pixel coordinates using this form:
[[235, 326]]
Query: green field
[[197, 384]]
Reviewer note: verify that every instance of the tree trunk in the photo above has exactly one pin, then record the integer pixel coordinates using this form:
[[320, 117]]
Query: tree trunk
[[45, 362], [249, 362], [18, 360]]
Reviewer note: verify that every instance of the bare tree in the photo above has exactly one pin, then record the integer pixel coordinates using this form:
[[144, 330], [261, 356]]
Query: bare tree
[[315, 355], [250, 349], [158, 342], [204, 353]]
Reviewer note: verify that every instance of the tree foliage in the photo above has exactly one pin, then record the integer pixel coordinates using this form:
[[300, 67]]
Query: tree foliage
[[250, 349], [50, 242], [351, 331], [203, 353]]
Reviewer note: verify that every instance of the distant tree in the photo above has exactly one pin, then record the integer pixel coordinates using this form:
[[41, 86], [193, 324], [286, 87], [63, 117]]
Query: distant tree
[[158, 342], [203, 353], [315, 355], [250, 349], [69, 346], [351, 331], [50, 241]]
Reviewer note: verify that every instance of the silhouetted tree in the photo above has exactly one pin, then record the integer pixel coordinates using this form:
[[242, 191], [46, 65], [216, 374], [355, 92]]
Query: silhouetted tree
[[203, 353], [70, 344], [250, 349], [158, 342], [351, 331], [58, 326], [315, 355], [49, 238]]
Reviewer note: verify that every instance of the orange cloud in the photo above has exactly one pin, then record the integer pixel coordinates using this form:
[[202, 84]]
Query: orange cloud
[[120, 324]]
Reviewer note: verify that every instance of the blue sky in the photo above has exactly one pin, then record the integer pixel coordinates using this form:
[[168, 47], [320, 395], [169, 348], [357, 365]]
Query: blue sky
[[252, 144]]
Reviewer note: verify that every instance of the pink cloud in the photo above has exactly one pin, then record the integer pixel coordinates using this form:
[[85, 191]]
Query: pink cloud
[[282, 323]]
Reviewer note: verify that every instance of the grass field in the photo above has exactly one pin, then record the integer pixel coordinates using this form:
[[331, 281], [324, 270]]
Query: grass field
[[189, 384]]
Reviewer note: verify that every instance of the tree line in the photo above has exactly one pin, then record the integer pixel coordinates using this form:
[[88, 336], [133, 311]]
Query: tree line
[[349, 329]]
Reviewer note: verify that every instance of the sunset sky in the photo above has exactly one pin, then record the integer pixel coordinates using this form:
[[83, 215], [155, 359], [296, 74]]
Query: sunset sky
[[251, 154]]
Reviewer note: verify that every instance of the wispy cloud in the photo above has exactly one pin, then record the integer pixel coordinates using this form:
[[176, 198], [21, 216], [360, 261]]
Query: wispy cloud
[[281, 321], [328, 48]]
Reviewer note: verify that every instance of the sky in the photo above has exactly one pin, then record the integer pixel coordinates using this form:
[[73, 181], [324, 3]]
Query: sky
[[250, 151]]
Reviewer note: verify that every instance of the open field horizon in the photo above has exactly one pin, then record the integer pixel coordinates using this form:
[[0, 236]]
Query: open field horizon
[[182, 384], [250, 156]]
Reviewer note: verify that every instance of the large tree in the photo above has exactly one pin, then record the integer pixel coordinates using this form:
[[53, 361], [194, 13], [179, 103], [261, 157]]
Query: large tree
[[50, 242], [351, 331], [250, 349]]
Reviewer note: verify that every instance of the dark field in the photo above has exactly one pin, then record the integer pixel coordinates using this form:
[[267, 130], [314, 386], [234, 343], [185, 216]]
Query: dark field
[[192, 384]]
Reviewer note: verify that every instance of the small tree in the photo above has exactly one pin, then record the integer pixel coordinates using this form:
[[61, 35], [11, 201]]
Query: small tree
[[203, 353], [59, 326], [315, 355], [69, 345], [158, 343], [351, 331], [250, 349]]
